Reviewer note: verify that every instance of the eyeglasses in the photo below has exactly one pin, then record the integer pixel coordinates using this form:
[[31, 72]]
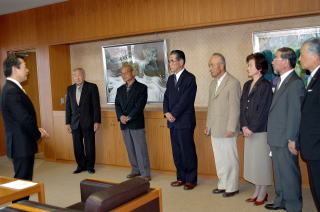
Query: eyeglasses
[[213, 65], [172, 61]]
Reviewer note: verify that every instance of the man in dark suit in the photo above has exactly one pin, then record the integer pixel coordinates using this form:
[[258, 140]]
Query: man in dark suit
[[83, 118], [19, 118], [178, 108], [130, 101], [283, 130], [310, 117]]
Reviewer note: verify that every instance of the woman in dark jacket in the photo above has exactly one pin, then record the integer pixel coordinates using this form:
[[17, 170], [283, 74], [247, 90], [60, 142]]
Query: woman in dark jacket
[[254, 107]]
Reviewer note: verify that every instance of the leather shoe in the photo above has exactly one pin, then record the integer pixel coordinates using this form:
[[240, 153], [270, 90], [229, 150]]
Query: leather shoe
[[274, 207], [230, 194], [177, 183], [132, 175], [78, 170], [189, 186], [147, 178], [91, 171], [218, 191]]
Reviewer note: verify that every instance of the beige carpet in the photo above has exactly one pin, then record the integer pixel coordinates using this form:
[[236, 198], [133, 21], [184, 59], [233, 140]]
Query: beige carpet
[[62, 188]]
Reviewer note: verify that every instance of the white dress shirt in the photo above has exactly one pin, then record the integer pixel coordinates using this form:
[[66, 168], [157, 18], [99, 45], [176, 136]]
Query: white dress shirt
[[17, 83], [284, 76], [179, 74]]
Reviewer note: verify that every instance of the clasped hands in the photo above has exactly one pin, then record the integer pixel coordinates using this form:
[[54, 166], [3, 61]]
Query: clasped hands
[[170, 117]]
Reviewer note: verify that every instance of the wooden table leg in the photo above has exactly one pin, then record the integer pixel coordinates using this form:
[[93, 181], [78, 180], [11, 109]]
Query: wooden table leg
[[41, 195]]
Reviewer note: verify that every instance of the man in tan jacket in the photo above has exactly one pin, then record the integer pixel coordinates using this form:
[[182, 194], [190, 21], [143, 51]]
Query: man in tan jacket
[[223, 125]]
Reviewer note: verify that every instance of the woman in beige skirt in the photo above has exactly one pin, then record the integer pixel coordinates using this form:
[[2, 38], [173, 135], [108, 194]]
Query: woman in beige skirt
[[254, 107]]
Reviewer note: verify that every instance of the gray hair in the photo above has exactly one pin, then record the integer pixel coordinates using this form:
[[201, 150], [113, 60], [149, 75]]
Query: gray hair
[[313, 45], [222, 58], [81, 70]]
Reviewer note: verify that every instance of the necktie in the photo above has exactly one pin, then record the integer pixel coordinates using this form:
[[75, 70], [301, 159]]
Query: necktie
[[278, 84], [309, 80], [78, 94], [175, 79]]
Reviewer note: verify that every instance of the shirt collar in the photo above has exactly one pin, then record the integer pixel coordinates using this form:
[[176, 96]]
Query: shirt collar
[[179, 74], [15, 82], [222, 77], [285, 75], [315, 71]]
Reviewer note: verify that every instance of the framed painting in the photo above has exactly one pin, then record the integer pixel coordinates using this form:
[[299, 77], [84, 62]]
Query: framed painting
[[149, 61], [268, 43]]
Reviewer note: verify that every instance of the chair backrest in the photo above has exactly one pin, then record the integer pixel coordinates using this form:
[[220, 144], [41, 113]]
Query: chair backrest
[[116, 195]]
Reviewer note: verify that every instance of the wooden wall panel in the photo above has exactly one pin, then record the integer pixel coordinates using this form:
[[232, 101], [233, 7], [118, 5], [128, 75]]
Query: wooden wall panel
[[45, 98], [60, 66], [84, 20], [284, 8]]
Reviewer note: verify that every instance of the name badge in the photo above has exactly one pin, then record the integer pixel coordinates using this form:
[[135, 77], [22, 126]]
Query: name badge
[[310, 90]]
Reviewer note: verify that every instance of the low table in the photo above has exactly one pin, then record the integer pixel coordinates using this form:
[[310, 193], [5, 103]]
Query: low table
[[8, 194]]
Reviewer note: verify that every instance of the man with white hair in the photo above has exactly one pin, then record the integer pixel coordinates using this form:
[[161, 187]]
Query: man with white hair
[[310, 116]]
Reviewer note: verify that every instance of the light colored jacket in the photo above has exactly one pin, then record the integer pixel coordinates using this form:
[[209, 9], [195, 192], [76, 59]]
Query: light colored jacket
[[224, 107]]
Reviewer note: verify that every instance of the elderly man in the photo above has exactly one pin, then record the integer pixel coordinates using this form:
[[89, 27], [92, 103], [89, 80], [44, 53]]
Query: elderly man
[[283, 130], [223, 125], [310, 117], [83, 118], [178, 108], [130, 101]]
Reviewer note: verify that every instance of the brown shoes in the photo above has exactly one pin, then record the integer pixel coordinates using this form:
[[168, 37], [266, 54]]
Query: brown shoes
[[218, 191], [251, 199], [177, 183], [132, 175], [189, 186], [230, 194]]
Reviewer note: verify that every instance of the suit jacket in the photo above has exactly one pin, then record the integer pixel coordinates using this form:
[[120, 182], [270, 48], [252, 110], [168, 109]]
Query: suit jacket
[[88, 111], [132, 104], [255, 105], [310, 121], [284, 114], [224, 107], [179, 100], [20, 122]]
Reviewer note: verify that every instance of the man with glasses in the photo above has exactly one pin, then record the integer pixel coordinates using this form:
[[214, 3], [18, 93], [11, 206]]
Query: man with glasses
[[283, 130], [223, 125], [130, 101], [178, 108]]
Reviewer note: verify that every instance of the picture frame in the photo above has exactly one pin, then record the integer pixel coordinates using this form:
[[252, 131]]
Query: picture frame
[[268, 42], [149, 61]]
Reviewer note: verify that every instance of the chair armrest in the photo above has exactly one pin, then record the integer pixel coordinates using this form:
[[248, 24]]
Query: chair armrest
[[88, 187], [116, 195]]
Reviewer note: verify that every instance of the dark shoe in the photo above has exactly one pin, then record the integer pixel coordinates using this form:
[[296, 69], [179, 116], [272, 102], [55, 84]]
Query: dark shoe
[[256, 203], [91, 171], [78, 170], [177, 183], [274, 207], [218, 191], [251, 199], [147, 178], [132, 175], [189, 186], [230, 194]]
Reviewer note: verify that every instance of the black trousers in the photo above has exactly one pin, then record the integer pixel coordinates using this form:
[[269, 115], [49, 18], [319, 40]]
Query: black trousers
[[314, 180], [84, 147], [23, 169], [184, 154]]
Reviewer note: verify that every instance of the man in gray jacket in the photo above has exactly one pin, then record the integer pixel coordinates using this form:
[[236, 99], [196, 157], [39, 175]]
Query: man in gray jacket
[[283, 130]]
